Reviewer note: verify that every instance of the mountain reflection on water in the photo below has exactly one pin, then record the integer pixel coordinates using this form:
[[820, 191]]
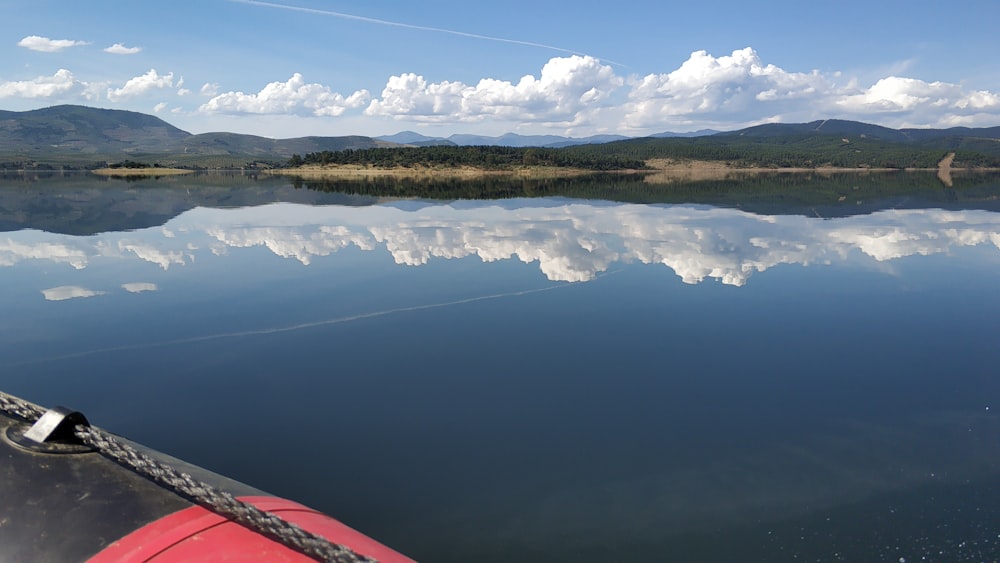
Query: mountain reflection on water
[[571, 241], [80, 204]]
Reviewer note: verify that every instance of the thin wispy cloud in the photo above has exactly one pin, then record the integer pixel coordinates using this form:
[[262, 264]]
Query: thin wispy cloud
[[46, 45], [377, 21], [119, 49]]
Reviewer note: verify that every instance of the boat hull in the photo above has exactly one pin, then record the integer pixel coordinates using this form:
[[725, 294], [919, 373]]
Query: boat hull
[[78, 505]]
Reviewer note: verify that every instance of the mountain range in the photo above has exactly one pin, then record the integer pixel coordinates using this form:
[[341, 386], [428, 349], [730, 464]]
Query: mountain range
[[865, 130], [70, 135], [516, 140]]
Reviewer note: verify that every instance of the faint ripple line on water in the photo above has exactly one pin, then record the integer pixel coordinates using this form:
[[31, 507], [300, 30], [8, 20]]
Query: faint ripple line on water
[[301, 326]]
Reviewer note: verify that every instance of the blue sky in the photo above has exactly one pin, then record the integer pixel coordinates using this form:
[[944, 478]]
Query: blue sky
[[323, 67]]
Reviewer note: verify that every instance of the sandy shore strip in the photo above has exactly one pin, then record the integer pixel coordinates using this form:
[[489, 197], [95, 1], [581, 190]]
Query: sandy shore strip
[[944, 170], [669, 171], [314, 172], [141, 172], [659, 171]]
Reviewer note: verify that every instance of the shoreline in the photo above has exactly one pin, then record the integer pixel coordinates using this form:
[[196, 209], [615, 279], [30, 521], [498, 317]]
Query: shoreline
[[459, 172], [141, 172], [669, 171], [659, 171]]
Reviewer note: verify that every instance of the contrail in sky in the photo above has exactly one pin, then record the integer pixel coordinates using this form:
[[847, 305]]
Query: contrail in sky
[[417, 27]]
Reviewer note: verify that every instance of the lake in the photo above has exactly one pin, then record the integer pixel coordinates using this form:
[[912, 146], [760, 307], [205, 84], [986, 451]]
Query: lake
[[765, 369]]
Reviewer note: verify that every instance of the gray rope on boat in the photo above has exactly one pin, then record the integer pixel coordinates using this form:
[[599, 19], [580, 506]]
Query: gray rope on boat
[[206, 495], [11, 405]]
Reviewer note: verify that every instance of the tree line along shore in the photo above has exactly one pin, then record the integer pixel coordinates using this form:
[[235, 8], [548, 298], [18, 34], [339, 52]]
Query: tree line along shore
[[660, 156], [647, 156]]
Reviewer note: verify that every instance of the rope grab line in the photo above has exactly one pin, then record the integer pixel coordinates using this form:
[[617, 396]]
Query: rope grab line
[[220, 502]]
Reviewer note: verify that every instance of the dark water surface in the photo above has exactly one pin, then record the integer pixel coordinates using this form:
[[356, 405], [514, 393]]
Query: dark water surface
[[550, 378]]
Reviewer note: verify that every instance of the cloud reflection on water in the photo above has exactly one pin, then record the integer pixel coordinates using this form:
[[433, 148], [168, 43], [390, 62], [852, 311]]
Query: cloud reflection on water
[[570, 241], [65, 292], [139, 287]]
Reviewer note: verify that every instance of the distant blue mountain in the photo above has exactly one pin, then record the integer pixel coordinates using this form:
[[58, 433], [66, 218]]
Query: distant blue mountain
[[506, 140], [698, 133], [768, 130], [407, 138], [592, 140]]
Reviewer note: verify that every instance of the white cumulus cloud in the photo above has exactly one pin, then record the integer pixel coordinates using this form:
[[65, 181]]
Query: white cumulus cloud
[[736, 87], [902, 94], [46, 45], [574, 95], [60, 83], [140, 85], [908, 100], [567, 89], [293, 96], [119, 49], [736, 90]]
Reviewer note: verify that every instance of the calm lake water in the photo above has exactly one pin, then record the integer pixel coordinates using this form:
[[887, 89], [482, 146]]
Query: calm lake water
[[799, 371]]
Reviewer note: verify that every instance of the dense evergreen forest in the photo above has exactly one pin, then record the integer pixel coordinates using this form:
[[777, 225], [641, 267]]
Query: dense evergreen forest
[[790, 151], [487, 157], [802, 151]]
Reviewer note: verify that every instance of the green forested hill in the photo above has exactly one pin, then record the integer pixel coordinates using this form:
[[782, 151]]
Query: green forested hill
[[825, 127], [827, 143], [82, 137], [262, 147], [83, 129], [837, 144], [844, 128]]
